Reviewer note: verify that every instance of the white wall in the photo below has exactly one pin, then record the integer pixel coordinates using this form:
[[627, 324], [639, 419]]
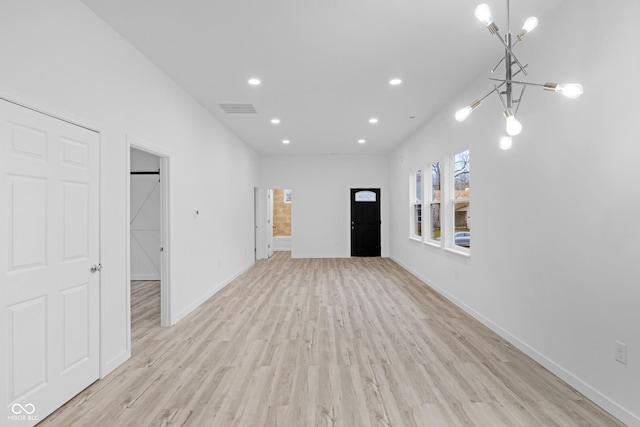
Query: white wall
[[320, 218], [141, 161], [554, 258], [60, 57]]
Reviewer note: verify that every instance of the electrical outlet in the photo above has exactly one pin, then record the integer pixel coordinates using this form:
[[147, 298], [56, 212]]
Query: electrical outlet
[[621, 352]]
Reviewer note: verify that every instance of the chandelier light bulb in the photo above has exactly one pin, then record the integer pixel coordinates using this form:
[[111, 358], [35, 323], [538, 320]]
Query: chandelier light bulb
[[513, 126], [570, 90], [463, 113], [530, 24], [483, 13], [506, 142]]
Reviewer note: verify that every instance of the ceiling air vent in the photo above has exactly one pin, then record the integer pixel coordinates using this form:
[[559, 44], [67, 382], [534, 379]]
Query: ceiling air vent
[[238, 108]]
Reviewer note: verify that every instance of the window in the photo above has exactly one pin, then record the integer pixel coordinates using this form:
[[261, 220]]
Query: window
[[365, 196], [461, 199], [416, 204], [434, 203]]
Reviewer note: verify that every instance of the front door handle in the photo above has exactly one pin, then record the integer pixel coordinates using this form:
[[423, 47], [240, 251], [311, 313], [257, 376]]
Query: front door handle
[[96, 267]]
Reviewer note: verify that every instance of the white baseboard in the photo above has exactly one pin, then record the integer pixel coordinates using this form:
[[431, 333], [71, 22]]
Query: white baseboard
[[182, 314], [301, 256], [145, 277], [591, 393]]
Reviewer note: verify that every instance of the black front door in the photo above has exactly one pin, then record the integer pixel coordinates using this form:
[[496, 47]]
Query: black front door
[[365, 222]]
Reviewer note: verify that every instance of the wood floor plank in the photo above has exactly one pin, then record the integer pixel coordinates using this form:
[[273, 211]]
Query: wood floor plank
[[323, 342]]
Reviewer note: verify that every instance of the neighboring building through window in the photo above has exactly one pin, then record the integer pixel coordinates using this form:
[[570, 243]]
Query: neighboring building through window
[[461, 200]]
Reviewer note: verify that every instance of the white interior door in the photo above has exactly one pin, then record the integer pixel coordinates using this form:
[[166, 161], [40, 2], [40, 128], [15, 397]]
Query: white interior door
[[145, 227], [49, 219]]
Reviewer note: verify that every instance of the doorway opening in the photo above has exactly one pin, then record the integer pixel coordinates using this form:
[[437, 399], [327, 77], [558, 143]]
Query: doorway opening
[[148, 240], [279, 221]]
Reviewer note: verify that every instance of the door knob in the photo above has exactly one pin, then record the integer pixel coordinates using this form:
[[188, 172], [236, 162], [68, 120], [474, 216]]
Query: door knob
[[96, 267]]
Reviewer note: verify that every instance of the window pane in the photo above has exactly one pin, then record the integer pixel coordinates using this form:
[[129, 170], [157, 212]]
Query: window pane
[[461, 174], [418, 216], [462, 231], [435, 221], [418, 186], [365, 196], [435, 182]]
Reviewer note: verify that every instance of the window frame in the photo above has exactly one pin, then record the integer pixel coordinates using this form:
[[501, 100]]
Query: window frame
[[416, 207], [432, 202], [452, 201]]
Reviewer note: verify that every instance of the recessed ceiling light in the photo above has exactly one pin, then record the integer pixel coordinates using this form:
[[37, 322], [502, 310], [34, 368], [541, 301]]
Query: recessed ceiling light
[[285, 141], [395, 82], [275, 121], [254, 82], [373, 120], [361, 141]]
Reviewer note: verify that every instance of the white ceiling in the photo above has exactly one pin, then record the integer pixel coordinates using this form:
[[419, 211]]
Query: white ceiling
[[325, 65]]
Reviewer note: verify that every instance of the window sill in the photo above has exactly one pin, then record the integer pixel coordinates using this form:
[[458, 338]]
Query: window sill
[[415, 238], [460, 252], [433, 244]]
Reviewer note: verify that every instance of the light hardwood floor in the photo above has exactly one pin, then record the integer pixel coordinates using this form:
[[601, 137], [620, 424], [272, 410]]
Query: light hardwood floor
[[326, 342]]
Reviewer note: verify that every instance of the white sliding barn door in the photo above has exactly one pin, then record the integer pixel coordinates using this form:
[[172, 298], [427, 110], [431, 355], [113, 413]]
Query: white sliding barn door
[[49, 229], [145, 227]]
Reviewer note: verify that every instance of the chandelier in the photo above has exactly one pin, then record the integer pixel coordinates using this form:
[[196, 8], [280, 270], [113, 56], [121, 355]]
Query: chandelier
[[504, 88]]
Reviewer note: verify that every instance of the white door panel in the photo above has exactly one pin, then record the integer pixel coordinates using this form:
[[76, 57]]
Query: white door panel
[[145, 227], [49, 219]]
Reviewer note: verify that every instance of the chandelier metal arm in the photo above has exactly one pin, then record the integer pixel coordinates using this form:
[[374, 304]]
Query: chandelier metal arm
[[493, 70], [518, 82], [500, 96], [497, 88], [515, 113], [506, 46]]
